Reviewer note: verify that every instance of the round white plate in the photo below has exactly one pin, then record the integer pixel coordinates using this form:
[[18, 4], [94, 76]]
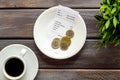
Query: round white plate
[[40, 34], [30, 59]]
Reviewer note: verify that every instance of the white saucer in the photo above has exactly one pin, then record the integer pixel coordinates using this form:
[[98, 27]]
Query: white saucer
[[40, 34], [30, 58]]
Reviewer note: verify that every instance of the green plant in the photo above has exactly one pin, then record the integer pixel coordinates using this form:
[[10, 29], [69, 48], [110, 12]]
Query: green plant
[[109, 23]]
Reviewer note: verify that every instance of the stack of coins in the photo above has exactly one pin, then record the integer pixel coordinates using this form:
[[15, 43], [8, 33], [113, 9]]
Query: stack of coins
[[64, 42]]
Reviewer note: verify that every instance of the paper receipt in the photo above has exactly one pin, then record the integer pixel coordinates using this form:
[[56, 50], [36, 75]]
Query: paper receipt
[[65, 19]]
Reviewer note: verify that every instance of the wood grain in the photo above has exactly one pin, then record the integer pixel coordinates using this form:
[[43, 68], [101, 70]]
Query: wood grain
[[77, 74], [17, 18], [49, 3], [88, 57], [20, 23]]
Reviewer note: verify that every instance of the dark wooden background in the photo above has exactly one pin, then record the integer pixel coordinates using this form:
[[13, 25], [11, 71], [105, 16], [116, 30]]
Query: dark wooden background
[[17, 18]]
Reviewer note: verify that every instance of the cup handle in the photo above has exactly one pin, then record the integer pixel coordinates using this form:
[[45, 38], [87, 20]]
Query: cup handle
[[23, 52]]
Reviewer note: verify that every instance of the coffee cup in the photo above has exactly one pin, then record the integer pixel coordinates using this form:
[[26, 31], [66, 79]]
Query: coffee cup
[[14, 66]]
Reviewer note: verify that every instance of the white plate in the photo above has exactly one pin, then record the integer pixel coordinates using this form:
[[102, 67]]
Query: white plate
[[30, 58], [40, 34]]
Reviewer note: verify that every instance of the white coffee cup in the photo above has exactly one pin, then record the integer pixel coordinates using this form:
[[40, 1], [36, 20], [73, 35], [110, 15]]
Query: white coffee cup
[[14, 66]]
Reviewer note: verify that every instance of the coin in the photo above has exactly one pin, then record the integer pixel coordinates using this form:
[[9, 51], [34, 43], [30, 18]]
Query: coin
[[64, 46], [70, 33], [65, 43], [67, 40], [55, 43]]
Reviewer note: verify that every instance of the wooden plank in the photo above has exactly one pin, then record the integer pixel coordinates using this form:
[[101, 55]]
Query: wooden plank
[[17, 23], [27, 3], [81, 3], [20, 23], [88, 57], [49, 3], [77, 74]]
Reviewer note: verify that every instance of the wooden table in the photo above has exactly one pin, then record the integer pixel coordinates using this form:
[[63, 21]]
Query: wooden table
[[17, 18]]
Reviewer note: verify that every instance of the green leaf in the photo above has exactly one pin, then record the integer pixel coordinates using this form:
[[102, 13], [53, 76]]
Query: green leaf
[[103, 29], [119, 8], [104, 36], [102, 8], [118, 0], [98, 17], [113, 31], [113, 10], [104, 1], [109, 9], [105, 17], [119, 17], [107, 12], [101, 23], [107, 24], [108, 1], [114, 4], [115, 21]]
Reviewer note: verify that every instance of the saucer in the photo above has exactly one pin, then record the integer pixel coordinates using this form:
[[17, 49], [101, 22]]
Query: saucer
[[30, 59], [40, 34]]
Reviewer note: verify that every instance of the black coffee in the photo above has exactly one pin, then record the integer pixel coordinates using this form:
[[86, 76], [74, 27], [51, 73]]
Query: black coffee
[[14, 67]]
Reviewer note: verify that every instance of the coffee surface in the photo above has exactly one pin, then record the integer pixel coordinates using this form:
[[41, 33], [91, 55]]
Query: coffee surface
[[14, 67]]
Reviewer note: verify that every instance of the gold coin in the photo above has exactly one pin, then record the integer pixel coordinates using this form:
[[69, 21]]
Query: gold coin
[[70, 33], [66, 40], [64, 46], [56, 43]]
